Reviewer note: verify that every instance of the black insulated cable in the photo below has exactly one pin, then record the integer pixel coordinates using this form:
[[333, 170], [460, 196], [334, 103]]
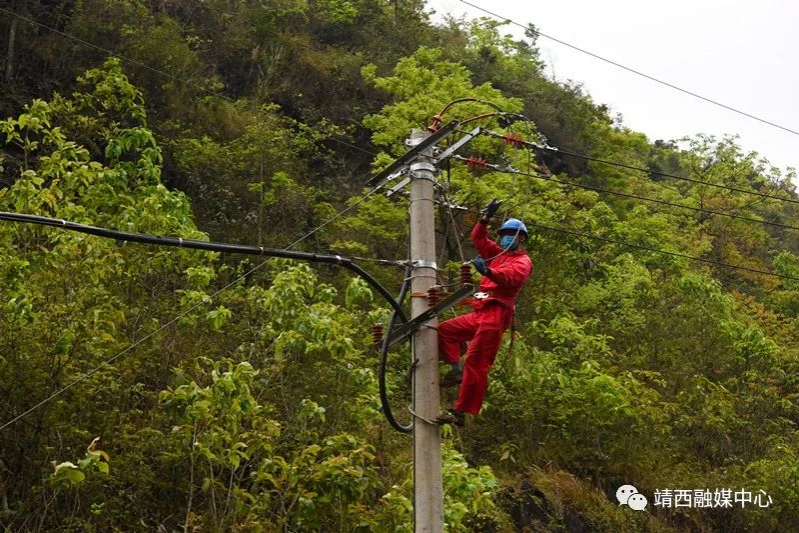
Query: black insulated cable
[[384, 348], [179, 242]]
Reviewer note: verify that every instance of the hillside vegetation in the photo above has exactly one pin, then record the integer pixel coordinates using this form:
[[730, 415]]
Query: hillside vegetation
[[249, 398]]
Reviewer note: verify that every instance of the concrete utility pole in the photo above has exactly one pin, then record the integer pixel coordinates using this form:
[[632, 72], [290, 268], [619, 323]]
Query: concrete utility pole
[[428, 502]]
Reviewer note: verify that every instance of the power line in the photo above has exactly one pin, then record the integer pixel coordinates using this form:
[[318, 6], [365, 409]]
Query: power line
[[667, 175], [648, 248], [661, 251], [496, 168], [337, 216], [654, 200], [545, 177], [637, 72], [554, 149], [106, 50]]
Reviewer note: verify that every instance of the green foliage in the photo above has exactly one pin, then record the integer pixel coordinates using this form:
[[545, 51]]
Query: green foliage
[[421, 85], [68, 474], [257, 410], [467, 492]]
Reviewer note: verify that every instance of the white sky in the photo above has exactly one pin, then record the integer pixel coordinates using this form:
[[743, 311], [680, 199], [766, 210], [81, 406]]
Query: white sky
[[740, 53]]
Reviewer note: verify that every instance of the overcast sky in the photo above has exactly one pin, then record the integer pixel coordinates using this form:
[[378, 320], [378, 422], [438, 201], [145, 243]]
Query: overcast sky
[[742, 54]]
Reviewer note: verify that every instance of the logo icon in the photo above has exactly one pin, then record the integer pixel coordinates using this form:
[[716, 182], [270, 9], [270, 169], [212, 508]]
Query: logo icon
[[629, 495]]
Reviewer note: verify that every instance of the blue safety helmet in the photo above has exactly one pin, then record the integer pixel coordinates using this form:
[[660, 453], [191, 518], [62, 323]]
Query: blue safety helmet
[[514, 225]]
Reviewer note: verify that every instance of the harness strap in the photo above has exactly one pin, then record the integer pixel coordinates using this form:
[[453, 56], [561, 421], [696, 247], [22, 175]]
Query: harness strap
[[512, 339]]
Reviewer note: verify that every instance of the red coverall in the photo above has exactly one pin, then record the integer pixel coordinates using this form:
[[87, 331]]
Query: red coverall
[[486, 323]]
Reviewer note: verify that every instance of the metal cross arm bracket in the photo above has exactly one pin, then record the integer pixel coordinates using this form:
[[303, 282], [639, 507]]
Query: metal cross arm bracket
[[408, 157], [397, 188], [412, 325], [446, 154]]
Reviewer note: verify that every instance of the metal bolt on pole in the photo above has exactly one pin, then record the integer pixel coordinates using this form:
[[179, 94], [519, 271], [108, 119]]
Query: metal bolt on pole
[[428, 506]]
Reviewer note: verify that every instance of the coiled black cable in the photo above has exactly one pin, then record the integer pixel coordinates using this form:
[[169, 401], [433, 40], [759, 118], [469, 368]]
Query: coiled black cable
[[384, 346]]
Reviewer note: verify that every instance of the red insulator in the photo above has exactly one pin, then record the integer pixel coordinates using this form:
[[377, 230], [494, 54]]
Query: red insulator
[[466, 274], [513, 139], [432, 296], [437, 121], [377, 333], [475, 162]]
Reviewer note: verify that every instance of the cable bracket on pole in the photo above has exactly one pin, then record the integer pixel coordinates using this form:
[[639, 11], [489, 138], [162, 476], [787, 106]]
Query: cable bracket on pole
[[410, 327], [421, 263]]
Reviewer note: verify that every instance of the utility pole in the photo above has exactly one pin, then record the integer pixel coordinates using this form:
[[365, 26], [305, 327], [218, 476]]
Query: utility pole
[[428, 505], [419, 160]]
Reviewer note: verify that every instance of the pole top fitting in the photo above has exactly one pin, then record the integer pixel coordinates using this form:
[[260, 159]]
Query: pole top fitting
[[416, 137], [420, 166]]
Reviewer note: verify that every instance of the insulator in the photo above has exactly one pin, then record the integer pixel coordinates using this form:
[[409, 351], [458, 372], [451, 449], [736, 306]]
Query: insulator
[[432, 296], [437, 121], [513, 139], [475, 162], [466, 274], [377, 333]]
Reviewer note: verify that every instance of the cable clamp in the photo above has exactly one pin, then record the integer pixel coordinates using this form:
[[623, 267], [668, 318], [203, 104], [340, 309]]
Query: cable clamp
[[423, 263], [63, 222], [180, 241]]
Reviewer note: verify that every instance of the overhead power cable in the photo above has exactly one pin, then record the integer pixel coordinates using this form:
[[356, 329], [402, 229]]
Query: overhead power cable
[[637, 72], [647, 248], [497, 168], [178, 242], [661, 251], [545, 177], [336, 217], [101, 49], [667, 175], [556, 150]]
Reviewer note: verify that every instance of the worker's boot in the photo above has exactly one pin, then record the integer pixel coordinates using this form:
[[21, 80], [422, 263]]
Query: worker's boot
[[456, 418]]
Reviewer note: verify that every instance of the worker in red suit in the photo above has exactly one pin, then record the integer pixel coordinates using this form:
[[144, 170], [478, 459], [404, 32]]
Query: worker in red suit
[[505, 268]]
